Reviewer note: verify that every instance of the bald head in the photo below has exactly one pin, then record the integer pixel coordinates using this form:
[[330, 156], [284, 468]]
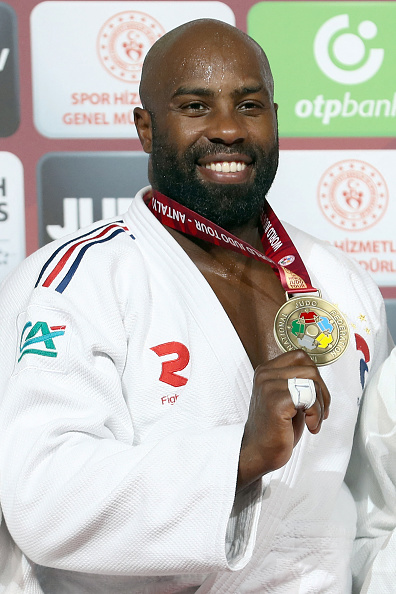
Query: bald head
[[190, 46]]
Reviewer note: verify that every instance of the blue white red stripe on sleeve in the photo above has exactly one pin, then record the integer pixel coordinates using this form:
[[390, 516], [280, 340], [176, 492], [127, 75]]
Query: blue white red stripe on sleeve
[[60, 268]]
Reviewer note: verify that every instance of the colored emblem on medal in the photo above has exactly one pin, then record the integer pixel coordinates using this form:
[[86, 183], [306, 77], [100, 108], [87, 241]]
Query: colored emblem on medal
[[313, 325], [286, 260]]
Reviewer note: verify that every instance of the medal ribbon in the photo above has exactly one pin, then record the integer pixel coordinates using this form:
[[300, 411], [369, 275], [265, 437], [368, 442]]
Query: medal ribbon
[[274, 238]]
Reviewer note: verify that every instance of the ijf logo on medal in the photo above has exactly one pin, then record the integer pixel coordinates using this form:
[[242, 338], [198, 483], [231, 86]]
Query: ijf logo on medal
[[313, 325]]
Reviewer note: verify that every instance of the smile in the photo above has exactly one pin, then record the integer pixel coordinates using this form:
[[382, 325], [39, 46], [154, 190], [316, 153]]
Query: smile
[[226, 167]]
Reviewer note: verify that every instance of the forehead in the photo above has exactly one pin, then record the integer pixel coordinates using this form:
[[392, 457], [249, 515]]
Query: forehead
[[219, 63]]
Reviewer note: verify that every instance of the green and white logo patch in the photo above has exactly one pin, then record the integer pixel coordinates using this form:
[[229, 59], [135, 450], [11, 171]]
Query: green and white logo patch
[[334, 65], [43, 339], [38, 339]]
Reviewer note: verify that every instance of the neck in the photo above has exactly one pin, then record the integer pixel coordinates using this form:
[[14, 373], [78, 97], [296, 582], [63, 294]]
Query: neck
[[250, 232], [274, 237], [212, 257], [170, 213]]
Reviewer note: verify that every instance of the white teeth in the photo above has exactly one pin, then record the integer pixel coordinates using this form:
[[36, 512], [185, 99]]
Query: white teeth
[[226, 166]]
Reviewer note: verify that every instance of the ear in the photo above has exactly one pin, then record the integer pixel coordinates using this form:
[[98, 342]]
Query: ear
[[143, 126]]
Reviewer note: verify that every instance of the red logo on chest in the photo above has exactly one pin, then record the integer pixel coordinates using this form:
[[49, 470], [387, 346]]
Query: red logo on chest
[[169, 368]]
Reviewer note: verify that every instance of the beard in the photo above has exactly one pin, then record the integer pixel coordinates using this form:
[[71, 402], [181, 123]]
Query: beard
[[229, 206]]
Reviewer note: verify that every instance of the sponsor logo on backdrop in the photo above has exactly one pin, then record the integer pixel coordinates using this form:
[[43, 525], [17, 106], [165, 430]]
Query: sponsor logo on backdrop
[[3, 196], [342, 56], [12, 214], [353, 195], [348, 88], [4, 54], [123, 42], [122, 45], [79, 212], [9, 95], [77, 189], [343, 197], [86, 81]]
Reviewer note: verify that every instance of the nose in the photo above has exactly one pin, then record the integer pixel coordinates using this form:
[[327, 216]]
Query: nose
[[226, 126]]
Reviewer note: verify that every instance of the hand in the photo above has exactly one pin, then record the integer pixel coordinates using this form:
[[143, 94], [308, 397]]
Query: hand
[[274, 426]]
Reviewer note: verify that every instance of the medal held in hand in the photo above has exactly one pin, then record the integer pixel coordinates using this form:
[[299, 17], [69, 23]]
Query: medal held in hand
[[314, 325]]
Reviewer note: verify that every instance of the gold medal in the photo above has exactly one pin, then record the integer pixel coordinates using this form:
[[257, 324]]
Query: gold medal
[[314, 325]]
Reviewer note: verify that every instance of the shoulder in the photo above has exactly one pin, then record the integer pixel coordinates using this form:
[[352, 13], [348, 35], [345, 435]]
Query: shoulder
[[84, 254], [84, 278], [91, 250], [329, 260], [96, 271], [309, 244]]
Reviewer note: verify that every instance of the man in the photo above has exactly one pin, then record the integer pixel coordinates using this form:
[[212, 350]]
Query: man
[[154, 437]]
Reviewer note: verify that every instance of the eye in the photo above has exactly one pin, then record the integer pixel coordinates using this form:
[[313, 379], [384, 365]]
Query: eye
[[251, 106], [194, 108], [196, 105]]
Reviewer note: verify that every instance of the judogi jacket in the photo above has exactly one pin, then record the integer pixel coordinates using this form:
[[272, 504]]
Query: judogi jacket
[[125, 393]]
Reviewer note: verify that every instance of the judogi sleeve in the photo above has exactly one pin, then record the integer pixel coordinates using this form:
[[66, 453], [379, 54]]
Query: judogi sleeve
[[372, 479], [78, 491]]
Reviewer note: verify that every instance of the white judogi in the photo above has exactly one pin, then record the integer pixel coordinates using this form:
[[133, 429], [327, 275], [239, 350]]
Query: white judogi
[[121, 424], [372, 477]]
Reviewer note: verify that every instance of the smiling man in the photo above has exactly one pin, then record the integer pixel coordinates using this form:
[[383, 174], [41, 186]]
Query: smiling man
[[157, 434], [213, 118]]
